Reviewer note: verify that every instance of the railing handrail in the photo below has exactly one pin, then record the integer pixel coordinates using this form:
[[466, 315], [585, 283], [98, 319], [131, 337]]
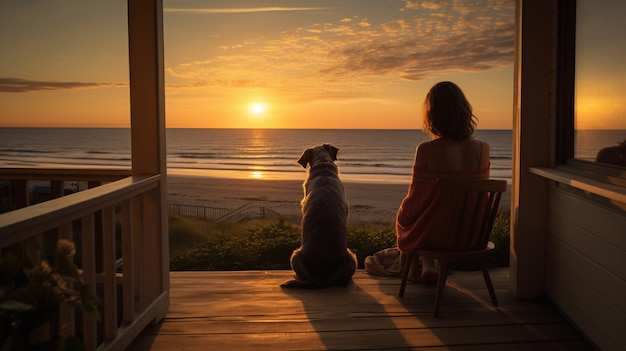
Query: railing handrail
[[246, 211], [234, 213], [76, 174], [19, 225]]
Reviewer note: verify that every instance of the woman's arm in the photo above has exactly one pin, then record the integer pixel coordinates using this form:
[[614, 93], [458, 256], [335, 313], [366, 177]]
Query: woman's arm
[[421, 152]]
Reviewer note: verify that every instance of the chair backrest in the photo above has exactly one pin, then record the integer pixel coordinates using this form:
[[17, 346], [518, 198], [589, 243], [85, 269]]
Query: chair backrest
[[466, 213]]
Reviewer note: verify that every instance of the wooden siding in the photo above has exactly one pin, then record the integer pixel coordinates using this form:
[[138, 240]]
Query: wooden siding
[[247, 310], [586, 266]]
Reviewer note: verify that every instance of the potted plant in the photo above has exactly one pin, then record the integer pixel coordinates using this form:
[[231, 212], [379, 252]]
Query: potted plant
[[30, 296]]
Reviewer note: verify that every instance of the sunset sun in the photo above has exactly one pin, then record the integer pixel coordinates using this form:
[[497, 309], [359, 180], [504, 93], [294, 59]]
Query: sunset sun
[[258, 108]]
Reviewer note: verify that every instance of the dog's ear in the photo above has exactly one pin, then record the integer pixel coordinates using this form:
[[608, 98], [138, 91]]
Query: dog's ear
[[305, 158], [332, 151]]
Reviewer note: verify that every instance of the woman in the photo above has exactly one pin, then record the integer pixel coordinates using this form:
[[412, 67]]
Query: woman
[[451, 152]]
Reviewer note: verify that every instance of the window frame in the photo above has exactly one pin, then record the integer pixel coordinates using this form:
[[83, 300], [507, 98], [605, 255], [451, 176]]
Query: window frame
[[565, 89], [565, 128]]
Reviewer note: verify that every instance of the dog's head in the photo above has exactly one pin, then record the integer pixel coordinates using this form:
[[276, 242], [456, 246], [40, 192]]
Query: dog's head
[[318, 153]]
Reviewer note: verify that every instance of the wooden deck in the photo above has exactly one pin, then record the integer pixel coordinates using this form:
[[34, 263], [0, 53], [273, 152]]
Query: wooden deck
[[248, 310]]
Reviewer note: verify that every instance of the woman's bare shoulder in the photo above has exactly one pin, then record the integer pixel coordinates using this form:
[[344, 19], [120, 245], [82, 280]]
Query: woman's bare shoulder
[[483, 149], [425, 145], [429, 148], [483, 145], [422, 154]]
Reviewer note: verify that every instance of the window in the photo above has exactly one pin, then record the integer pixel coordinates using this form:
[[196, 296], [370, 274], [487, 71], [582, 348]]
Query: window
[[599, 84]]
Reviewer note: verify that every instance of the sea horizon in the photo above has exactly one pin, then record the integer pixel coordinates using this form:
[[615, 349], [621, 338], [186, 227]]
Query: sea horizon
[[365, 155]]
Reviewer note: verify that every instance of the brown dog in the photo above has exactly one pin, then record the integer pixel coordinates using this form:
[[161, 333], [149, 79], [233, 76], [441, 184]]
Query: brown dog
[[323, 258]]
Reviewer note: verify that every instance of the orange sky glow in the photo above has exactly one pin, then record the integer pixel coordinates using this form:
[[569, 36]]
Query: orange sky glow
[[259, 64]]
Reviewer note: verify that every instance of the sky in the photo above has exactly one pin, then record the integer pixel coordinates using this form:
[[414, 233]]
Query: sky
[[600, 70], [259, 64]]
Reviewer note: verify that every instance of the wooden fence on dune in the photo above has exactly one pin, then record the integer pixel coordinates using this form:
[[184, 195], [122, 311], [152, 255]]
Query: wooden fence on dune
[[247, 211]]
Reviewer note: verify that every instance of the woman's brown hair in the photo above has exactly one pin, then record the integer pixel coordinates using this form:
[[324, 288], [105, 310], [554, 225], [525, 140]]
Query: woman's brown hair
[[447, 113]]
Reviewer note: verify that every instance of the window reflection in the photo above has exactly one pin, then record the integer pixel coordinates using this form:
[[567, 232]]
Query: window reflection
[[600, 84], [614, 155]]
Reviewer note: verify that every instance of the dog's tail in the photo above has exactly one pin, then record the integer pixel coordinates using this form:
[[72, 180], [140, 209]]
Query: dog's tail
[[296, 283]]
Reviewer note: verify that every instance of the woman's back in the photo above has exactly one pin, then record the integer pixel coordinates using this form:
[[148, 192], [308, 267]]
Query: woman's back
[[450, 156]]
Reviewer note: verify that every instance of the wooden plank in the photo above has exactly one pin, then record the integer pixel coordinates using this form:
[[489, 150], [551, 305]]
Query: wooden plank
[[366, 339], [249, 310], [128, 267], [605, 225], [585, 274], [554, 346], [109, 289], [608, 288], [299, 321], [604, 255], [89, 276], [560, 175], [589, 310], [21, 224]]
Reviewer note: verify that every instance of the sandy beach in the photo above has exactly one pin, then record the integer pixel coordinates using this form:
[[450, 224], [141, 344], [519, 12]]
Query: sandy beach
[[368, 201], [371, 202]]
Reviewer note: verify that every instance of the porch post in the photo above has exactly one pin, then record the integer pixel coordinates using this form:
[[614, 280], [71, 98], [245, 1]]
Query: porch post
[[533, 137], [147, 100]]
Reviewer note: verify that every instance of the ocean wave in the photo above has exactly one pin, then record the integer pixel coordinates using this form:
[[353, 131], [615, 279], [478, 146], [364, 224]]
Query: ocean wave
[[243, 169], [113, 158], [376, 165], [362, 153], [214, 156], [25, 151]]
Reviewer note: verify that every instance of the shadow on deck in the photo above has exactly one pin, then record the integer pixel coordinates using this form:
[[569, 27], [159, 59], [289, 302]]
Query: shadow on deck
[[247, 310]]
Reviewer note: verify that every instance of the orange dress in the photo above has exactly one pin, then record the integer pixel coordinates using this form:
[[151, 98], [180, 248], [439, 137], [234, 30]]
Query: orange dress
[[415, 219]]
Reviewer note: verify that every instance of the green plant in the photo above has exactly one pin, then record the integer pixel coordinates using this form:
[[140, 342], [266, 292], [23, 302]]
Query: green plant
[[30, 296], [264, 244], [367, 239], [501, 237], [269, 244]]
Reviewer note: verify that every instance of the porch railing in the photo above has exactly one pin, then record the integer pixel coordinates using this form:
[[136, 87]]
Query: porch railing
[[114, 223]]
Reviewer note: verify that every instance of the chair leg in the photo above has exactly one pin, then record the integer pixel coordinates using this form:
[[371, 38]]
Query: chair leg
[[492, 293], [405, 273], [441, 282]]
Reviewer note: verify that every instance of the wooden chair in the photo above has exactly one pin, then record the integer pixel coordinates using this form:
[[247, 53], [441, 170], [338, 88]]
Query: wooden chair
[[463, 224]]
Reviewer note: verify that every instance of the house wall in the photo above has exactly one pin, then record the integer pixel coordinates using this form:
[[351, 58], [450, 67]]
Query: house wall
[[586, 264], [568, 239]]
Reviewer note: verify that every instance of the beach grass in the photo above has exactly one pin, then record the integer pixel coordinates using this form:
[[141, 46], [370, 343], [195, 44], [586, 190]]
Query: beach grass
[[188, 233], [201, 244]]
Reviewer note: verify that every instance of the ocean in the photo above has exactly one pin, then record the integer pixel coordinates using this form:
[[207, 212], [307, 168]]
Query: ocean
[[364, 155]]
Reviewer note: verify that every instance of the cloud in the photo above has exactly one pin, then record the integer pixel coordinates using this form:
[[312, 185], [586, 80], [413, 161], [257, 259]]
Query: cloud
[[241, 10], [360, 55], [468, 36], [433, 5], [18, 85], [418, 56]]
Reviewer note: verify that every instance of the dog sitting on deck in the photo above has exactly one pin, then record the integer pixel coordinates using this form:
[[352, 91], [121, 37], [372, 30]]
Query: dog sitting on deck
[[323, 258]]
